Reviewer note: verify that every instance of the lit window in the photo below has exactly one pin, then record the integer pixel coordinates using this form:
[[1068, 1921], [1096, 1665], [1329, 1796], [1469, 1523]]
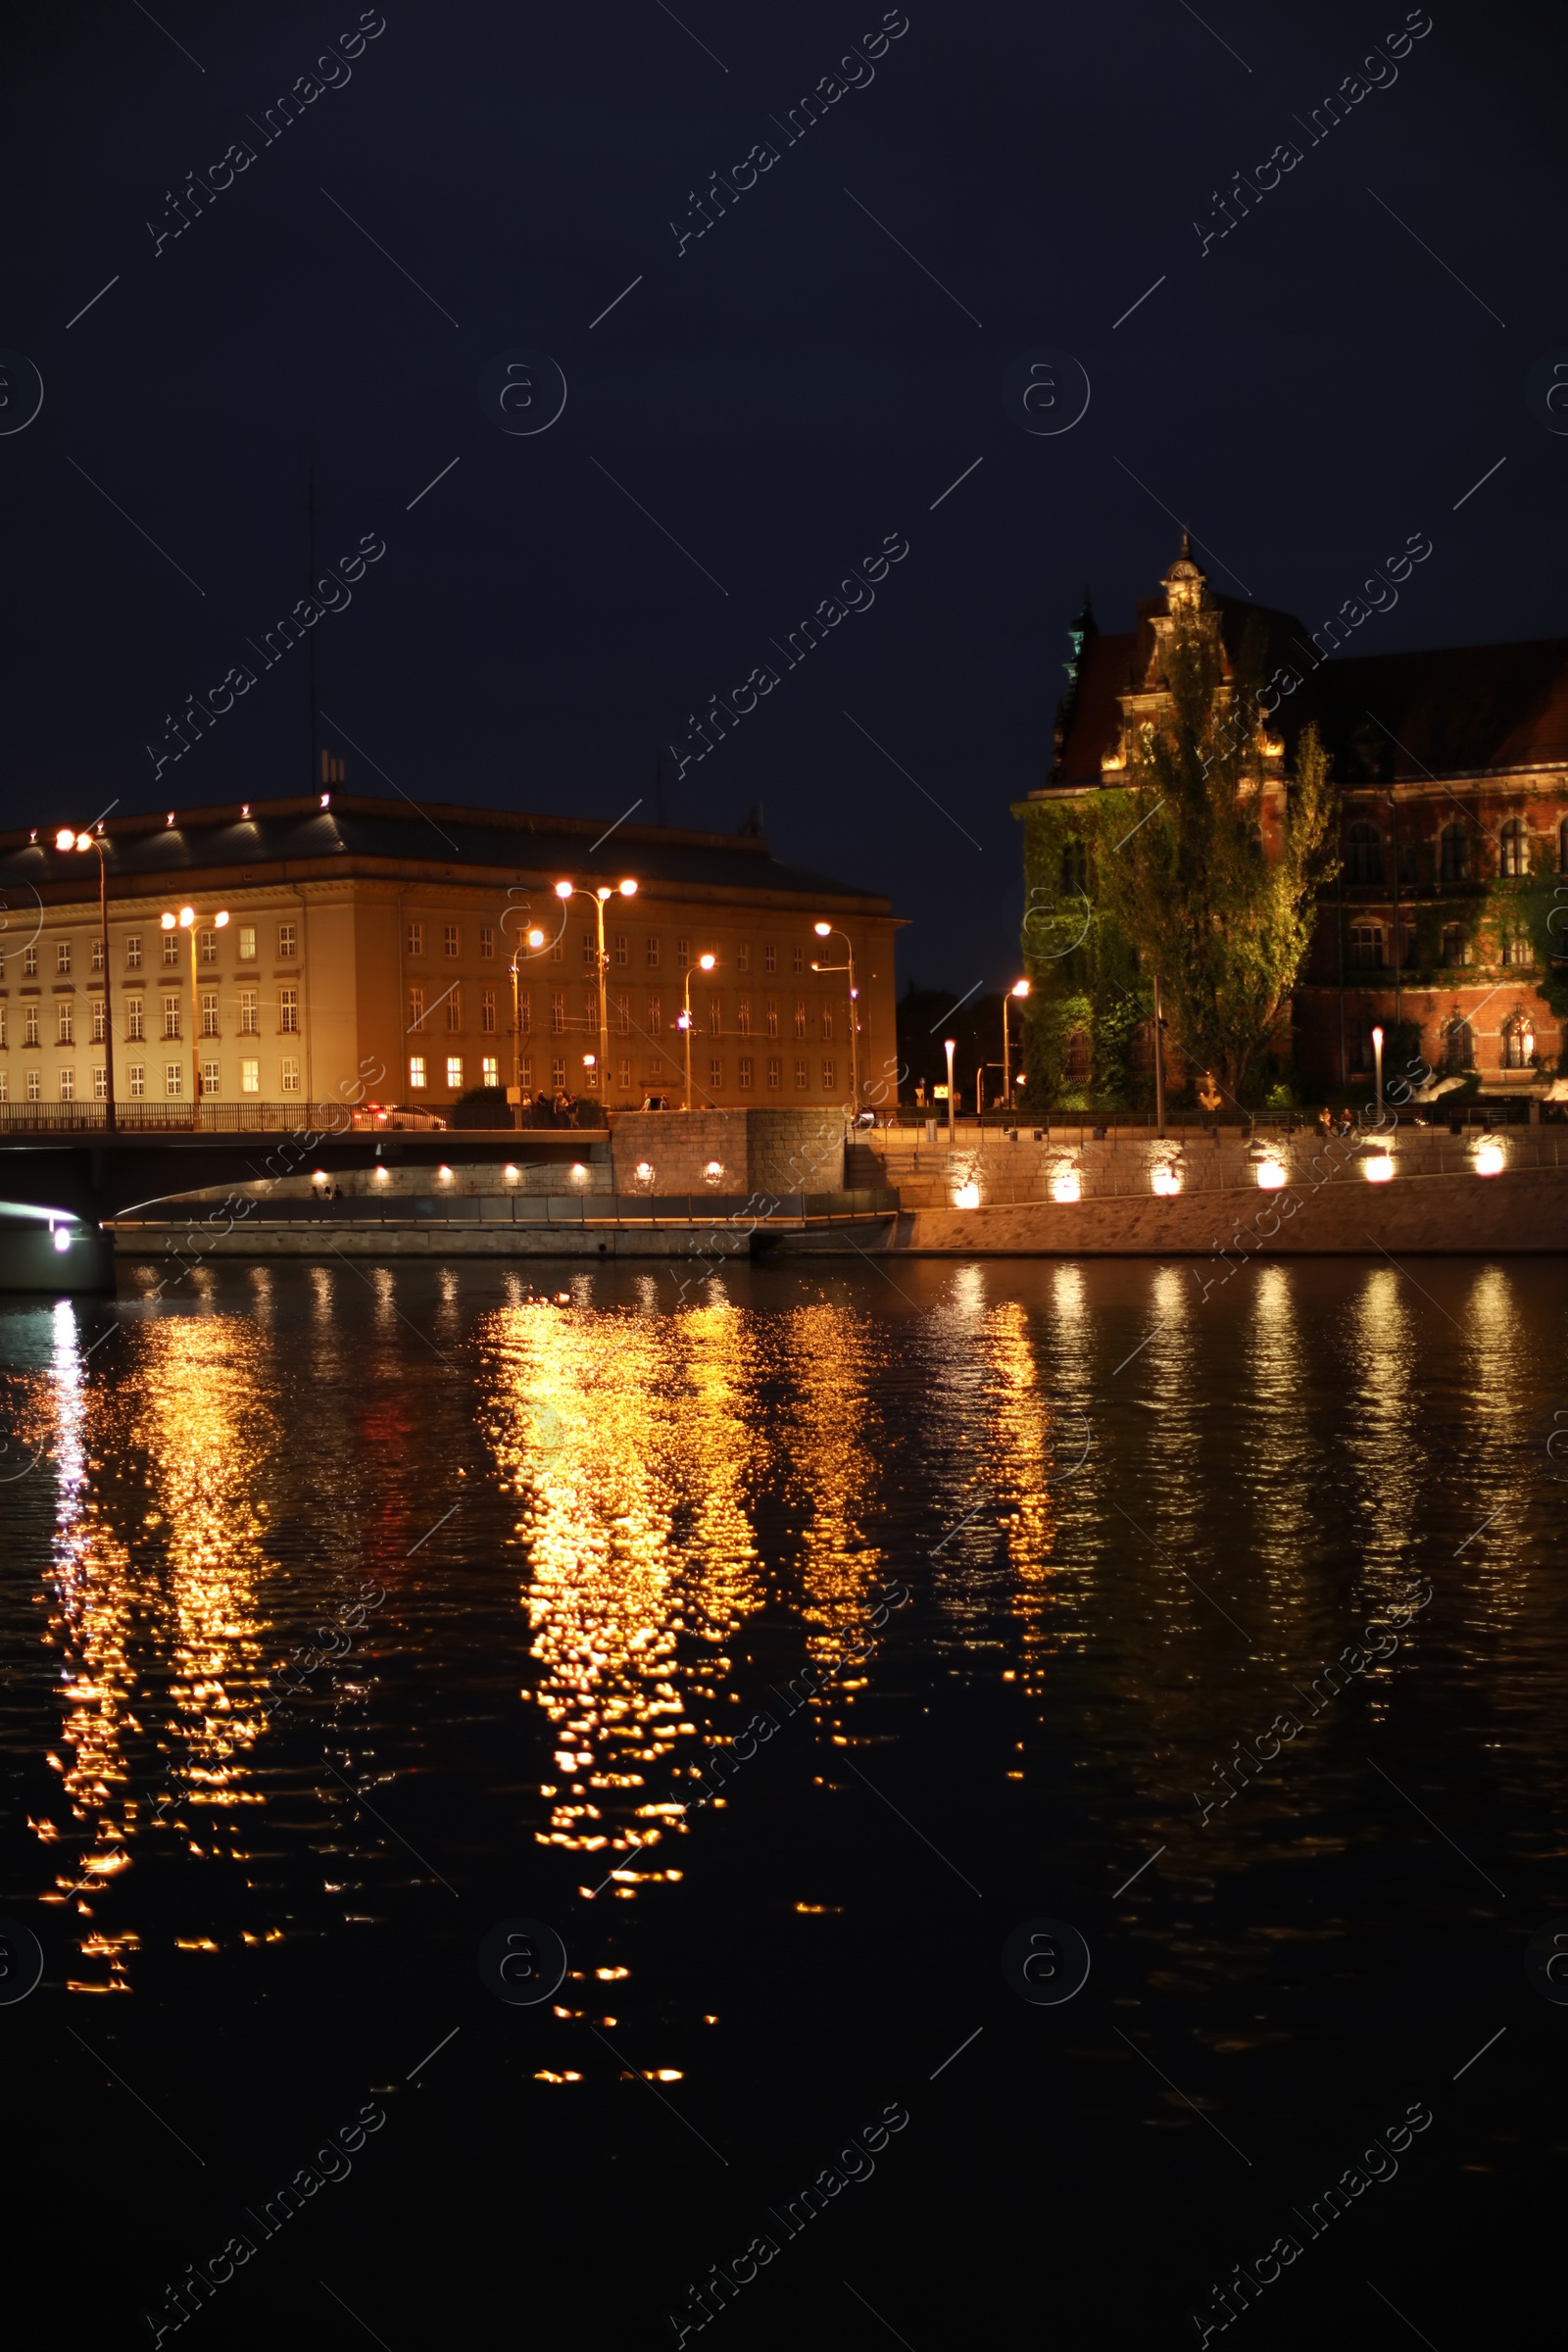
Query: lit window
[[288, 1012], [67, 1086], [288, 1074], [100, 1084], [455, 1072], [62, 956], [138, 1078], [173, 1077], [209, 947], [776, 1070], [171, 947], [417, 1072], [133, 1017], [34, 1087], [490, 1068], [30, 1020], [285, 943], [1518, 1042], [1512, 860], [803, 1072], [209, 1084], [29, 960], [171, 1016], [743, 1073], [247, 942], [1517, 950], [415, 939], [250, 1077], [209, 1013], [133, 953], [451, 941], [65, 1025], [248, 1022]]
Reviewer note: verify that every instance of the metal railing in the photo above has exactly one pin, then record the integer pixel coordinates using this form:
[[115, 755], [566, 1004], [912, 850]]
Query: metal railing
[[209, 1118]]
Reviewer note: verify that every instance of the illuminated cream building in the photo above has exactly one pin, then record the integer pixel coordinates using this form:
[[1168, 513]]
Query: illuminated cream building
[[337, 940]]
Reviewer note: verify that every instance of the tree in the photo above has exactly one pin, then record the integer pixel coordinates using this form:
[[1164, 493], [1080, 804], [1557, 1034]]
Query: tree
[[1219, 909]]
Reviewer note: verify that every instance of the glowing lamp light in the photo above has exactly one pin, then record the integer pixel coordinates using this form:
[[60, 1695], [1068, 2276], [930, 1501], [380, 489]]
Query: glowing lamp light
[[645, 1171], [1020, 988], [221, 918], [823, 930], [706, 964], [590, 1060], [187, 916], [1271, 1175], [603, 894], [563, 890], [1376, 1167], [579, 1174], [1067, 1185], [1167, 1182], [443, 1175], [320, 1176], [536, 939], [683, 1020], [64, 839], [166, 921], [713, 1171], [1489, 1159], [61, 1237], [628, 888], [967, 1196], [380, 1176], [509, 1171]]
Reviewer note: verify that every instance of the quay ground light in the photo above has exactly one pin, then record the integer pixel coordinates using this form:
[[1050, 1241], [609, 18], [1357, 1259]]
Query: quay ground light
[[830, 931], [66, 839]]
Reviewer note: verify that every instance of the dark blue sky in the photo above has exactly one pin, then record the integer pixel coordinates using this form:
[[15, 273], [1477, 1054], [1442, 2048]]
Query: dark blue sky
[[781, 395]]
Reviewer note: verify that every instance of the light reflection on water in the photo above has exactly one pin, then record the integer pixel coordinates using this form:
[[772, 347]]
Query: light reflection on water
[[1150, 1512]]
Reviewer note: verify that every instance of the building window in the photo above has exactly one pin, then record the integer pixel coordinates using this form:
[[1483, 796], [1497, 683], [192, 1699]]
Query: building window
[[1458, 1045], [524, 1012], [1512, 861], [829, 1078], [288, 1074], [138, 1078], [558, 1014], [487, 1010], [525, 1074], [415, 939], [133, 953], [1366, 947], [34, 1087], [621, 1007], [800, 1016], [209, 947], [455, 1008], [31, 1025], [715, 1076], [247, 942], [590, 953], [285, 943], [171, 949], [250, 1077], [770, 957], [798, 959], [557, 946], [455, 1072], [558, 1076], [1455, 943], [4, 1039], [743, 957], [776, 1070], [1074, 868], [133, 1018], [622, 948], [1363, 854], [772, 1016], [173, 1078], [656, 1015], [1453, 853], [826, 1016], [683, 953], [5, 1086], [1517, 950], [67, 1086], [1518, 1042], [802, 1071], [171, 1016], [288, 1012], [65, 1025], [209, 1013], [62, 954], [97, 958], [653, 954], [623, 1075], [415, 1010], [100, 1022], [743, 1074], [715, 1016], [416, 1073], [1562, 847], [209, 1079], [30, 963], [248, 1023], [451, 940], [100, 1084], [490, 1070], [743, 1016]]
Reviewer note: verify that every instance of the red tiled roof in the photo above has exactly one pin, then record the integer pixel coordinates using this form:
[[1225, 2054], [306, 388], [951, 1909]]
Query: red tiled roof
[[1449, 711]]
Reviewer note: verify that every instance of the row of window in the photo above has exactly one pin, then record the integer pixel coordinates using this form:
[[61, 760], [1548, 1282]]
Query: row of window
[[1369, 949], [745, 1074], [135, 1018], [1457, 1044], [140, 1080], [1459, 848], [173, 950], [450, 1005], [618, 947]]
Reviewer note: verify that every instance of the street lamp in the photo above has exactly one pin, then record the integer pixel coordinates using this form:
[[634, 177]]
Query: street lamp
[[683, 1020], [628, 890], [66, 839], [950, 1047], [535, 939], [185, 921], [1377, 1065], [1019, 989], [830, 931]]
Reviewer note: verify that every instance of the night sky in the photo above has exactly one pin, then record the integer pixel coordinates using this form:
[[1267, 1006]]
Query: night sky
[[782, 394]]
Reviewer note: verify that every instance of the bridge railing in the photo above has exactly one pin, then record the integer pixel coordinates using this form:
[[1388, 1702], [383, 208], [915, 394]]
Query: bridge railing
[[206, 1118]]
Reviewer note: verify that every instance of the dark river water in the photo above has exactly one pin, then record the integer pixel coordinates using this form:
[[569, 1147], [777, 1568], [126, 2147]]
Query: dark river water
[[785, 1650]]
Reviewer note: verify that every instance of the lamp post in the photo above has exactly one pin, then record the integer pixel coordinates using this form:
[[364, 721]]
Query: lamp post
[[950, 1045], [185, 921], [830, 931], [1159, 1062], [536, 939], [1376, 1067], [64, 839], [570, 890], [1019, 989], [704, 963]]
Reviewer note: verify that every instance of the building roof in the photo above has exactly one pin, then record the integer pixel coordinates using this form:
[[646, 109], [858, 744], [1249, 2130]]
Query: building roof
[[1450, 712], [337, 835]]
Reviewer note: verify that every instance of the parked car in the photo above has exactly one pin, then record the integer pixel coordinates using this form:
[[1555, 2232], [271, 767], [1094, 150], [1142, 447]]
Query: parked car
[[394, 1114]]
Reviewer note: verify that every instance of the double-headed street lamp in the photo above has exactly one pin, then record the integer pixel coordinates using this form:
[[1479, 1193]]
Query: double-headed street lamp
[[185, 921], [683, 1020], [534, 938], [628, 890], [830, 931], [66, 839], [1019, 989]]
